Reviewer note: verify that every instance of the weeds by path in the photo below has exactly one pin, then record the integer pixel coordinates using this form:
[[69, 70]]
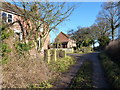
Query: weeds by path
[[59, 66], [83, 78], [112, 70]]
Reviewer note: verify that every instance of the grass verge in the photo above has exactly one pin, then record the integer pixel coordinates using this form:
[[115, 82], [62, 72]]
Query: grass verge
[[112, 70], [62, 64], [59, 66], [83, 78]]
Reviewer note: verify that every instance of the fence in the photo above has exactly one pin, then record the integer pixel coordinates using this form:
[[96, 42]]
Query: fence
[[67, 50], [51, 55]]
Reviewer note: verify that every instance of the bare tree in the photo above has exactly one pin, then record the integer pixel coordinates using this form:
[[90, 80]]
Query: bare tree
[[101, 27], [41, 18], [109, 16]]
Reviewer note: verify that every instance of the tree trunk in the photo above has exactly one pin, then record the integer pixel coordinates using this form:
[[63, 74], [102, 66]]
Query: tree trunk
[[93, 45], [112, 34]]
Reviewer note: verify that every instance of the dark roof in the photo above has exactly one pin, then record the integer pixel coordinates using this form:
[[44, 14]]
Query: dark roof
[[11, 8], [62, 37]]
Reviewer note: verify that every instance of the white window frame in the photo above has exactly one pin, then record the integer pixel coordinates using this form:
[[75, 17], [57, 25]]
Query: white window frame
[[7, 16], [10, 18], [41, 29], [20, 34]]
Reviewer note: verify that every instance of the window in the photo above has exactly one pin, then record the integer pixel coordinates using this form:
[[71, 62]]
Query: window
[[9, 18], [18, 34], [4, 17]]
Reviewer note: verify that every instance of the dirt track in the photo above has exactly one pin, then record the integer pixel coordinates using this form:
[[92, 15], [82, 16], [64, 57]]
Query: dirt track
[[99, 80]]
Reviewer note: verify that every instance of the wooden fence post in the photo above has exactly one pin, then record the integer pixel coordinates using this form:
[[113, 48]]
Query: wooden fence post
[[47, 55], [61, 54], [53, 55], [64, 53]]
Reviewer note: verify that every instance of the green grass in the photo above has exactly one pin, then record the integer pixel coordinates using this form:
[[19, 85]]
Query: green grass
[[45, 84], [62, 64], [112, 70], [83, 78]]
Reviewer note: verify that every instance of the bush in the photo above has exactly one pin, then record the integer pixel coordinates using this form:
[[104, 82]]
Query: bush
[[19, 69], [113, 50], [20, 73], [86, 49], [103, 41], [4, 48], [112, 71], [62, 64], [23, 47], [6, 33]]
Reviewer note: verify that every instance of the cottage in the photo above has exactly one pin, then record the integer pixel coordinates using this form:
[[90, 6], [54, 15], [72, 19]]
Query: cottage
[[64, 41]]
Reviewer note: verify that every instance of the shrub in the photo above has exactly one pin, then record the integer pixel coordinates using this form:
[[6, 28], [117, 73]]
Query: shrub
[[4, 47], [113, 50], [62, 64], [22, 47], [112, 70], [103, 41], [86, 49], [25, 71], [6, 33], [5, 51]]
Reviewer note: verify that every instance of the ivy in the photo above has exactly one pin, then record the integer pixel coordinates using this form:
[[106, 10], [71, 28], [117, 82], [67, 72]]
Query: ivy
[[4, 48], [6, 33], [23, 47]]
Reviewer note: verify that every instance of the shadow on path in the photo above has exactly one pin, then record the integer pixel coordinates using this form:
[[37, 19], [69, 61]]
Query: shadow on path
[[99, 80], [66, 77]]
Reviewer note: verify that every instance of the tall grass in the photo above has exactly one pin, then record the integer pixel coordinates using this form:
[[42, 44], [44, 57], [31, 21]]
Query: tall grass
[[112, 70], [25, 67], [22, 70], [25, 71], [62, 64]]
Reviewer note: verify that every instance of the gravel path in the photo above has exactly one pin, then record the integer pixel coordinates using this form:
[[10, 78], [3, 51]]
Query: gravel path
[[99, 80]]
